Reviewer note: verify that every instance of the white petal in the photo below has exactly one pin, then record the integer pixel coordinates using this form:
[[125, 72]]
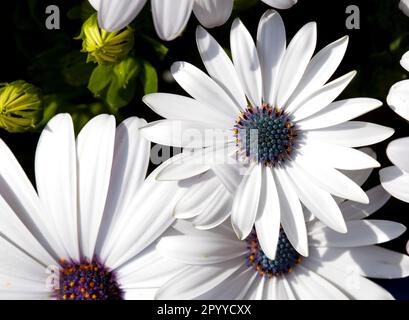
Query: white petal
[[256, 290], [354, 286], [321, 98], [331, 180], [351, 134], [310, 286], [281, 4], [268, 220], [113, 15], [396, 182], [212, 13], [292, 217], [95, 4], [20, 195], [404, 62], [246, 62], [404, 6], [339, 157], [398, 153], [171, 19], [246, 201], [361, 176], [56, 177], [319, 70], [201, 87], [95, 146], [360, 233], [183, 133], [372, 261], [270, 30], [319, 202], [220, 67], [197, 250], [176, 107], [339, 112], [129, 168], [197, 280], [229, 175], [398, 98], [378, 197], [295, 62]]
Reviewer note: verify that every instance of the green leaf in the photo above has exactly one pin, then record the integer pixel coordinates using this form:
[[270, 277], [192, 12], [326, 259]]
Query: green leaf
[[119, 96], [159, 48], [149, 78], [100, 79], [126, 70]]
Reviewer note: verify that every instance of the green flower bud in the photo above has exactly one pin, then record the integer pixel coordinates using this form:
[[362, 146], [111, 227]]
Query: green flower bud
[[20, 106], [103, 46]]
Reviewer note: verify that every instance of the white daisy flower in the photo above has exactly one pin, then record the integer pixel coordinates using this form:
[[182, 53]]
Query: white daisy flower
[[303, 136], [169, 16], [395, 179], [404, 6], [218, 266], [90, 230]]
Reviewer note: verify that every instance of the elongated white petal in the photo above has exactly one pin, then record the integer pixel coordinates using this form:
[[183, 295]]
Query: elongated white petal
[[319, 70], [339, 112], [95, 4], [404, 61], [295, 61], [396, 182], [268, 220], [113, 15], [229, 175], [201, 87], [292, 218], [398, 98], [398, 153], [246, 62], [56, 177], [331, 180], [354, 286], [220, 67], [319, 202], [270, 30], [95, 147], [197, 280], [351, 134], [339, 157], [216, 212], [361, 176], [170, 19], [246, 201], [176, 107], [212, 13], [372, 261], [184, 133], [200, 250], [281, 4], [129, 169], [308, 285], [378, 197], [322, 98], [360, 233]]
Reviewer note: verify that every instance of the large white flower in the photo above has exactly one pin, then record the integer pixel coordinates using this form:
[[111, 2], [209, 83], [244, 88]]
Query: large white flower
[[218, 266], [169, 16], [302, 136], [90, 231], [395, 179]]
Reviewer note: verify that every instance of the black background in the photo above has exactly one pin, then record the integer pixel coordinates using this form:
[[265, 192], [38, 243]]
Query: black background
[[369, 53]]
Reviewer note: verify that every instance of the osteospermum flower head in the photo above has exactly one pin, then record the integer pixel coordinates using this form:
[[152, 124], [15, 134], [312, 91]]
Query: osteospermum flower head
[[170, 17], [88, 230], [20, 106], [272, 109]]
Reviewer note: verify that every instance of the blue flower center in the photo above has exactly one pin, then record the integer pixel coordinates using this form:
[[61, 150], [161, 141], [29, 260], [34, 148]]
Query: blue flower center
[[87, 281], [285, 260], [266, 135]]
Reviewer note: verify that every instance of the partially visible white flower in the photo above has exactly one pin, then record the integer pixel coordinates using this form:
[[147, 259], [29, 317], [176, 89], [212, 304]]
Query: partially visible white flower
[[404, 6], [89, 230], [395, 179], [218, 266], [169, 16]]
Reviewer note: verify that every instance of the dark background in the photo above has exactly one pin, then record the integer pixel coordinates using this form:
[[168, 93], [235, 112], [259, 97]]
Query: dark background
[[374, 51]]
